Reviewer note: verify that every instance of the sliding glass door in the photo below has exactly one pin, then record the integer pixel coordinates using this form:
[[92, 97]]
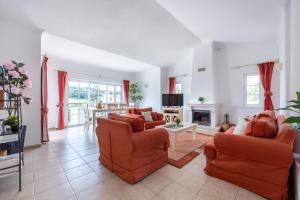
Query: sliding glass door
[[82, 93]]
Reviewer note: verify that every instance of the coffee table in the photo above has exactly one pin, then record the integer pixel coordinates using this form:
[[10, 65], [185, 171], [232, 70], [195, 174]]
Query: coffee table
[[174, 130]]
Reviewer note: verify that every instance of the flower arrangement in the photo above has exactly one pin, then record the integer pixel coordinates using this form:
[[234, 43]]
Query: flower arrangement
[[16, 79]]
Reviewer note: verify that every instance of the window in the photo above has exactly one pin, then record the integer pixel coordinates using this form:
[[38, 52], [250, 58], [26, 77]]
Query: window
[[178, 88], [252, 90], [81, 93]]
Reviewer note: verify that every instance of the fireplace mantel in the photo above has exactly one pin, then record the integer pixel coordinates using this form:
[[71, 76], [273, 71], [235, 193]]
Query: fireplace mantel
[[214, 114]]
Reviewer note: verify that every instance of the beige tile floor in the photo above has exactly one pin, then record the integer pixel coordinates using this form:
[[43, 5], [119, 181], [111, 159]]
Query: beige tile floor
[[67, 168]]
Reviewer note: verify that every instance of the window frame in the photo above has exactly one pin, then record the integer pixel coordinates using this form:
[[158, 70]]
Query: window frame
[[245, 75], [179, 83], [78, 81]]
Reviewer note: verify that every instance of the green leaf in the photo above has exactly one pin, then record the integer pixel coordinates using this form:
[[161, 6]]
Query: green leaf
[[298, 95], [292, 120], [294, 101]]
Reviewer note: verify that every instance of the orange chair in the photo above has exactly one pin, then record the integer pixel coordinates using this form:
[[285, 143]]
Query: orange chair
[[260, 165], [129, 151], [158, 118]]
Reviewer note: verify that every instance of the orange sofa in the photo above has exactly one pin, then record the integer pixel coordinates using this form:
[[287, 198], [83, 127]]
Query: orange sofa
[[258, 164], [129, 151], [158, 118]]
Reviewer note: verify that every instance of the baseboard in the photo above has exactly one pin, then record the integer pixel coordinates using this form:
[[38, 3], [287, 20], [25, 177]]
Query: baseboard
[[32, 146]]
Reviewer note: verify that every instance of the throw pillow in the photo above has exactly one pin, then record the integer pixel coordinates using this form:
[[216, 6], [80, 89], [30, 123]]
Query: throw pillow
[[240, 127], [147, 116], [265, 128], [154, 116]]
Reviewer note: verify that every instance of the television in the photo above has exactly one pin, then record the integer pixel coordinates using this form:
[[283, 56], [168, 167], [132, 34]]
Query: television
[[172, 100]]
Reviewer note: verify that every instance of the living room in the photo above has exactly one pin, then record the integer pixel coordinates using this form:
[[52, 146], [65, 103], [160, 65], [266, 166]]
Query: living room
[[149, 99]]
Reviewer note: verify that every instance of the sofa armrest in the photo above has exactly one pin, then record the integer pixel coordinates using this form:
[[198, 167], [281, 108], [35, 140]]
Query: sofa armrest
[[258, 149], [153, 124], [210, 150], [150, 139], [160, 116]]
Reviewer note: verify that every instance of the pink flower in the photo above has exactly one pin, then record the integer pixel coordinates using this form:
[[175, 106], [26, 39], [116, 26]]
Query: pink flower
[[9, 66], [28, 83], [15, 90], [14, 74], [23, 71]]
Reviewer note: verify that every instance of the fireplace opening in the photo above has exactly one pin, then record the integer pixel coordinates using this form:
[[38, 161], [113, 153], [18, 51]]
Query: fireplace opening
[[201, 117]]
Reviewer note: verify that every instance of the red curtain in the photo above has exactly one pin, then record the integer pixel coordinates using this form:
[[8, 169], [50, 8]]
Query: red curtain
[[44, 101], [62, 77], [171, 85], [266, 71], [126, 91]]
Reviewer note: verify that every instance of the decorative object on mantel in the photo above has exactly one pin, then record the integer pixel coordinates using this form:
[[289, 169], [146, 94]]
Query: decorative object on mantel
[[134, 93], [294, 120], [201, 99]]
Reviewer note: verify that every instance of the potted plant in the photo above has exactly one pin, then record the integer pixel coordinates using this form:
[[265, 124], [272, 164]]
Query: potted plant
[[12, 122], [177, 121], [294, 120], [134, 93], [201, 99]]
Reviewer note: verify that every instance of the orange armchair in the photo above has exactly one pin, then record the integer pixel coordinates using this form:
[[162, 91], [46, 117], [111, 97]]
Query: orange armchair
[[258, 164], [131, 155]]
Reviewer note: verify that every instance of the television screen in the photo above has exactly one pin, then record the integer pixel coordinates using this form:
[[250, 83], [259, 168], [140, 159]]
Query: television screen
[[172, 100]]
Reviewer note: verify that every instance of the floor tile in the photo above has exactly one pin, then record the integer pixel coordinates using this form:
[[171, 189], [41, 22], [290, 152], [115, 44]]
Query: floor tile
[[53, 181], [58, 193], [78, 172], [192, 182], [176, 192], [156, 182], [73, 163], [84, 182]]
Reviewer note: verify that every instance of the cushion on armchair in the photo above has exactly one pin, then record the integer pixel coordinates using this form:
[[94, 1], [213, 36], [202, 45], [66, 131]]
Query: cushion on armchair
[[265, 128]]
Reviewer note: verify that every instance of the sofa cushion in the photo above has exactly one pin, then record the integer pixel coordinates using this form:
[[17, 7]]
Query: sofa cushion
[[147, 116], [136, 121], [264, 127], [240, 127], [286, 134], [267, 113], [154, 116], [139, 111], [160, 116]]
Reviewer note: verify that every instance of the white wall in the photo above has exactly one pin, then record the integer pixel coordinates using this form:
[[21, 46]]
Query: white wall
[[230, 82], [203, 82], [77, 71], [182, 70], [22, 43], [150, 86], [295, 46]]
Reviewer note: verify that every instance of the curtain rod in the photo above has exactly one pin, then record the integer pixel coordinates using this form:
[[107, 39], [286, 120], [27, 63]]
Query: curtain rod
[[181, 75], [248, 65], [93, 75]]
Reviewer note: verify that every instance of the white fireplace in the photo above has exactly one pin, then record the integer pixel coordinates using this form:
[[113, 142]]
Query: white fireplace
[[205, 115]]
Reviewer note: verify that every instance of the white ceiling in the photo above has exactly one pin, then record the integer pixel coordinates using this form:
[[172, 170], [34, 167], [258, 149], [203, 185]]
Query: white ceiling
[[228, 20], [138, 29], [58, 47], [157, 32]]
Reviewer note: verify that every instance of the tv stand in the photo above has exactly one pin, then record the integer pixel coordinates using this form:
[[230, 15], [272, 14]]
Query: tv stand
[[172, 113]]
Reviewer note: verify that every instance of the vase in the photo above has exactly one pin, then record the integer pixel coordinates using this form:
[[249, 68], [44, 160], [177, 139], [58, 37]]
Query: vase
[[14, 128]]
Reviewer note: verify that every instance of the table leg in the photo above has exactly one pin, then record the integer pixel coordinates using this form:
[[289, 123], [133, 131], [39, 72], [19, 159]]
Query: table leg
[[94, 121], [174, 141], [194, 133]]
